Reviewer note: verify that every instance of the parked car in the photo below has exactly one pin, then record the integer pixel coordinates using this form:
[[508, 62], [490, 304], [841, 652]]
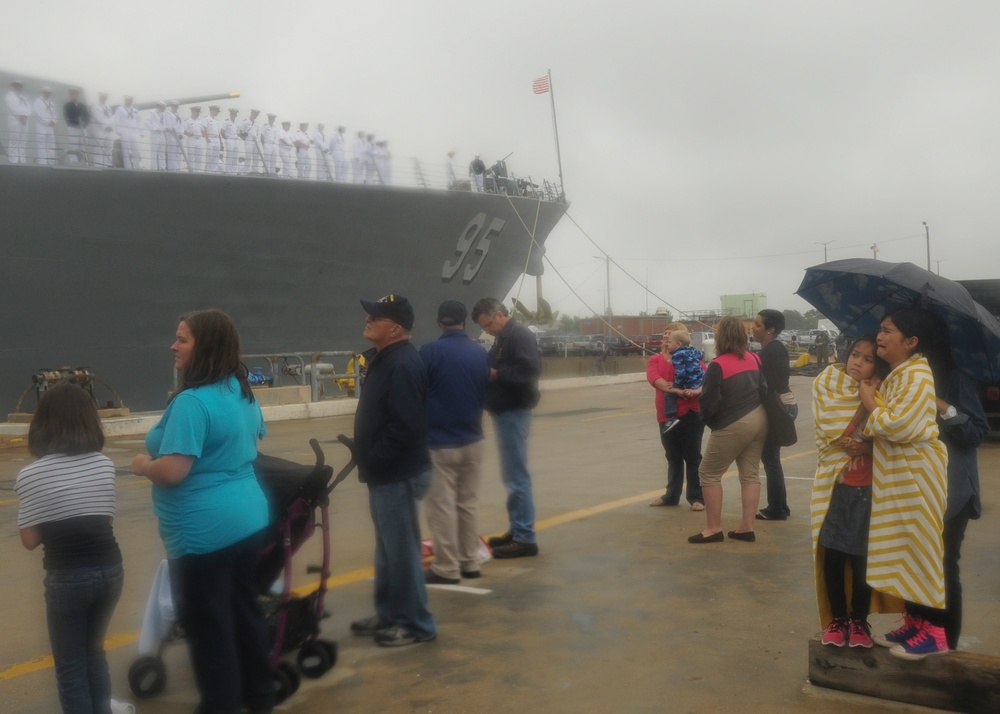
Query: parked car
[[552, 345], [588, 345]]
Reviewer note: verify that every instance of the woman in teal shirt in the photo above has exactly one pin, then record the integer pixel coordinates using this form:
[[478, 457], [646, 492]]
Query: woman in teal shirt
[[212, 513]]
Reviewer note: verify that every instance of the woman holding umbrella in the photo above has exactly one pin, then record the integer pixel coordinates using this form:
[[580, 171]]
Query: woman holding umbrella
[[909, 486], [963, 427]]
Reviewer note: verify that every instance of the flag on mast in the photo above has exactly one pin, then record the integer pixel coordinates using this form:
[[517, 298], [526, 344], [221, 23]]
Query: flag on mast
[[540, 85]]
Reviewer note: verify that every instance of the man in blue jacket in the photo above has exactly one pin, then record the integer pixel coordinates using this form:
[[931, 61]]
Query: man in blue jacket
[[512, 392], [457, 370], [390, 439]]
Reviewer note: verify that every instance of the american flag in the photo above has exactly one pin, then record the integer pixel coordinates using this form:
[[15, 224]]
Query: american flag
[[540, 85]]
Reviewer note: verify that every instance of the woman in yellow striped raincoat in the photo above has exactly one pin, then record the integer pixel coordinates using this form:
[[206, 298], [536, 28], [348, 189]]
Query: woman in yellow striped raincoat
[[910, 482]]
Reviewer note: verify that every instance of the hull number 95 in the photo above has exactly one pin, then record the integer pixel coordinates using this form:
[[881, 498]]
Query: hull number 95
[[477, 234]]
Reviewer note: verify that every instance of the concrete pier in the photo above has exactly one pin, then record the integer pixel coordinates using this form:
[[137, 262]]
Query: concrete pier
[[618, 613]]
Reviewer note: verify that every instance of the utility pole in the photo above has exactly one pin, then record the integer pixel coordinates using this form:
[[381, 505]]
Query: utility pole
[[875, 251], [927, 231], [607, 278], [824, 244]]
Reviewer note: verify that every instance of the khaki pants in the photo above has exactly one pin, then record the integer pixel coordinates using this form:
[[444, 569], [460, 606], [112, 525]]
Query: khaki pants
[[452, 507], [742, 442]]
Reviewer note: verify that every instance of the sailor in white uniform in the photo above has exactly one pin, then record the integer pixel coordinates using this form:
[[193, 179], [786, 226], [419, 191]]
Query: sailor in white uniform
[[213, 141], [250, 133], [449, 169], [127, 123], [302, 143], [285, 146], [269, 143], [321, 147], [18, 111], [359, 154], [194, 140], [172, 133], [156, 124], [371, 170], [231, 135], [45, 128], [385, 165], [102, 131], [338, 152]]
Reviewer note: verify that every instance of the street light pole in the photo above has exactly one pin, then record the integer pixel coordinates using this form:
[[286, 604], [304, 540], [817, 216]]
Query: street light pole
[[607, 277], [927, 231], [824, 246]]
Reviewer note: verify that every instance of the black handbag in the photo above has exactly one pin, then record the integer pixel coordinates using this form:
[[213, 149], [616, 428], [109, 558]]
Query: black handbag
[[780, 424]]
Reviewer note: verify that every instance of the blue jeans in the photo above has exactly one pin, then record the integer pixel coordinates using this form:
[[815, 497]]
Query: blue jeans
[[400, 595], [512, 429], [78, 605], [770, 457]]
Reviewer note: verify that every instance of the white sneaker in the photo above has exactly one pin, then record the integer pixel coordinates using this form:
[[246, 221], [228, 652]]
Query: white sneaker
[[122, 707]]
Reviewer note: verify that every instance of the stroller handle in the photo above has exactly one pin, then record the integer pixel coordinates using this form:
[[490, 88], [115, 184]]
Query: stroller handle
[[342, 474], [320, 456]]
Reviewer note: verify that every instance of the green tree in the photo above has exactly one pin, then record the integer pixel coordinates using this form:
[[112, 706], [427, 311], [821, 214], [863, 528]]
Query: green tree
[[794, 320], [812, 318], [569, 324]]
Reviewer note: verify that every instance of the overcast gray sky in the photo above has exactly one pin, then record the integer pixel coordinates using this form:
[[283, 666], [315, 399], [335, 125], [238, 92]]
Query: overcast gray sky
[[707, 146]]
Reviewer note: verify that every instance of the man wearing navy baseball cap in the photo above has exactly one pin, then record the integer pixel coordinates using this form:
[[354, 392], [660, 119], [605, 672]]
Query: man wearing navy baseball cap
[[390, 440], [457, 373]]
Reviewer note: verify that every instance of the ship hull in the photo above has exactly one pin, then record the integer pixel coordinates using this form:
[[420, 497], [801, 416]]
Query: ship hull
[[96, 266]]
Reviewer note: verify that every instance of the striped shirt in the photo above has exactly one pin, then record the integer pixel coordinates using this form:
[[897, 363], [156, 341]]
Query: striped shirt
[[59, 487]]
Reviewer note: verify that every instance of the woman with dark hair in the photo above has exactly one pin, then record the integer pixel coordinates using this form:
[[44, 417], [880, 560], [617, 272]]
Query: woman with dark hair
[[212, 513], [774, 364], [67, 505], [731, 407], [963, 427], [909, 484]]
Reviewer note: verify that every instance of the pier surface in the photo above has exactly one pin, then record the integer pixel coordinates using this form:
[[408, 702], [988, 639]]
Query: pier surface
[[618, 613]]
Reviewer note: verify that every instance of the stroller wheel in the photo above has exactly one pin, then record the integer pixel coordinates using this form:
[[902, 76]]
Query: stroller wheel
[[147, 677], [331, 649], [286, 681], [314, 659]]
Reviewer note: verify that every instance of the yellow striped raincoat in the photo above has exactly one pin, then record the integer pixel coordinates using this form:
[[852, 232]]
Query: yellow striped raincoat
[[910, 488], [835, 401]]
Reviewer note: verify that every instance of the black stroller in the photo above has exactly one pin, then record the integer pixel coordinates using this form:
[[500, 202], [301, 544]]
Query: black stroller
[[295, 493]]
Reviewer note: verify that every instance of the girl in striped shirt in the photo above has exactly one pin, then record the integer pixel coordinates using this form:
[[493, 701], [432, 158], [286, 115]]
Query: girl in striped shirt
[[67, 505]]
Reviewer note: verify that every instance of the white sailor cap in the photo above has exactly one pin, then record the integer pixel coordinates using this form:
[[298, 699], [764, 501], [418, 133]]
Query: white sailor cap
[[255, 111], [213, 107], [129, 96], [161, 103], [17, 83], [272, 116], [195, 109], [46, 88], [173, 103], [234, 110], [286, 121]]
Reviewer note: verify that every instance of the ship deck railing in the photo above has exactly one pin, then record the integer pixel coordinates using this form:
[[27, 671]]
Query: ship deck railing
[[314, 369], [411, 172]]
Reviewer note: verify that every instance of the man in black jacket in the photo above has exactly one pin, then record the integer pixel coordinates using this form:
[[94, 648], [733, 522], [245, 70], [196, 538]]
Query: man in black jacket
[[390, 438], [512, 392]]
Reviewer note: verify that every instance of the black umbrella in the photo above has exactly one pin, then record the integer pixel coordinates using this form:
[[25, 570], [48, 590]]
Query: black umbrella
[[856, 294]]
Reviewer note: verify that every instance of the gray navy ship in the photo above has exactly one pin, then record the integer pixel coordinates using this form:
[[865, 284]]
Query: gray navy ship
[[97, 264]]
